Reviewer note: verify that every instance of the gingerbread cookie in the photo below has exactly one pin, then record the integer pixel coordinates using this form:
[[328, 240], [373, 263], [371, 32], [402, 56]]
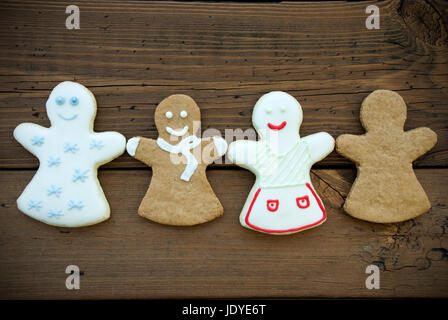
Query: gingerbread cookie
[[283, 200], [65, 190], [179, 193], [386, 189]]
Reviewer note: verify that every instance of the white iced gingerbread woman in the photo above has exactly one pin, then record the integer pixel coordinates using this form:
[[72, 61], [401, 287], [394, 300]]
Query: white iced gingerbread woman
[[65, 190], [283, 200]]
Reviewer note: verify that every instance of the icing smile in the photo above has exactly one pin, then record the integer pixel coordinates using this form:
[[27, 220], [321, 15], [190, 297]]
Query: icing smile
[[178, 133], [67, 118], [279, 127]]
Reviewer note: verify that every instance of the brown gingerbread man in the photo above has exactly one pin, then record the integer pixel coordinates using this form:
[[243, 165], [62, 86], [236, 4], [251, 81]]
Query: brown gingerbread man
[[386, 189], [179, 193]]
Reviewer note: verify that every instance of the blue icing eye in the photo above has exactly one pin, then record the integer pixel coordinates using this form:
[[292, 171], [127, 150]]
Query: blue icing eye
[[60, 100], [74, 101]]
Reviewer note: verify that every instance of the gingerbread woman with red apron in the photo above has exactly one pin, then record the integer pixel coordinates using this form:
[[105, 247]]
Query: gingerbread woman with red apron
[[283, 200]]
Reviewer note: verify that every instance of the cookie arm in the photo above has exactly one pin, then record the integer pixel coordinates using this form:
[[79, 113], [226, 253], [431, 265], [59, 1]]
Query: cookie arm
[[350, 146], [213, 148], [419, 141], [243, 153], [320, 145], [106, 146], [142, 149], [31, 136]]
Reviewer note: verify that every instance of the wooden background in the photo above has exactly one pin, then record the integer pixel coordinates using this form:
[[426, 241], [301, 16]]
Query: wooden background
[[131, 55]]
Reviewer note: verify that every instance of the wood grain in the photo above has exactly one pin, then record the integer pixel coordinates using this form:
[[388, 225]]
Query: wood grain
[[130, 257], [226, 55]]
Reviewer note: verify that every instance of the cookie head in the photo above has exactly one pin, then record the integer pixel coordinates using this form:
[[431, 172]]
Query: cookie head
[[383, 110], [277, 112], [71, 104], [177, 117]]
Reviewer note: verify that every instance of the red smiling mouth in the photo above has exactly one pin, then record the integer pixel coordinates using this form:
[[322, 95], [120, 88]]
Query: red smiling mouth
[[279, 127]]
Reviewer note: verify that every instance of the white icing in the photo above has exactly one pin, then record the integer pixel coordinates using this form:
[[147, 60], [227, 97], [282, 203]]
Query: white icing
[[183, 114], [131, 146], [220, 145], [65, 190], [289, 169], [281, 161], [288, 215], [168, 114], [184, 148], [177, 133], [281, 141]]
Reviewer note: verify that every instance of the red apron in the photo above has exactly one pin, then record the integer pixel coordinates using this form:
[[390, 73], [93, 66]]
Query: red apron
[[285, 210]]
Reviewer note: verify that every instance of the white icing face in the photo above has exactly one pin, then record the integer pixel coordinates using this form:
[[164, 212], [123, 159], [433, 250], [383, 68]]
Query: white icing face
[[71, 104], [277, 113], [178, 133]]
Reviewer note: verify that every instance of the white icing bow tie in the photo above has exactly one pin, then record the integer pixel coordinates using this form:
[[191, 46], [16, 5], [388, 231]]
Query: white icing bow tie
[[184, 148]]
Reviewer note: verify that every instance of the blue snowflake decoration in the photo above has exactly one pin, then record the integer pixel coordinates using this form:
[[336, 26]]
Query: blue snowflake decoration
[[34, 205], [79, 175], [75, 205], [55, 213], [54, 190], [37, 141], [71, 147], [98, 144], [54, 161]]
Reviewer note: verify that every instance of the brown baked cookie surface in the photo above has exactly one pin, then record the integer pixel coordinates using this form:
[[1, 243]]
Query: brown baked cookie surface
[[179, 193], [386, 189]]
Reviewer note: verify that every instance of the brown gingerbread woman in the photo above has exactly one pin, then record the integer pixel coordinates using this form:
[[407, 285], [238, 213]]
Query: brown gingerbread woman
[[386, 189], [179, 193]]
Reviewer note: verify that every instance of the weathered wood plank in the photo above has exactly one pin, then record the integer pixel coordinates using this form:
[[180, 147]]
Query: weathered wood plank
[[129, 257], [226, 55]]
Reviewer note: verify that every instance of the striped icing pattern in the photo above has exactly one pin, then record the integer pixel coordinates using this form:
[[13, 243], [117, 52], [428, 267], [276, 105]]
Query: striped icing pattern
[[290, 169]]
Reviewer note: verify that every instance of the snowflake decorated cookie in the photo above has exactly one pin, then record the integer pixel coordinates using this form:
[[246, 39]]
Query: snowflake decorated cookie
[[283, 200], [65, 190]]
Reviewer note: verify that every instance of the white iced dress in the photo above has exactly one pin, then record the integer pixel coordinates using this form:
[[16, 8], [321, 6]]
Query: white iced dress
[[65, 190], [283, 199]]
